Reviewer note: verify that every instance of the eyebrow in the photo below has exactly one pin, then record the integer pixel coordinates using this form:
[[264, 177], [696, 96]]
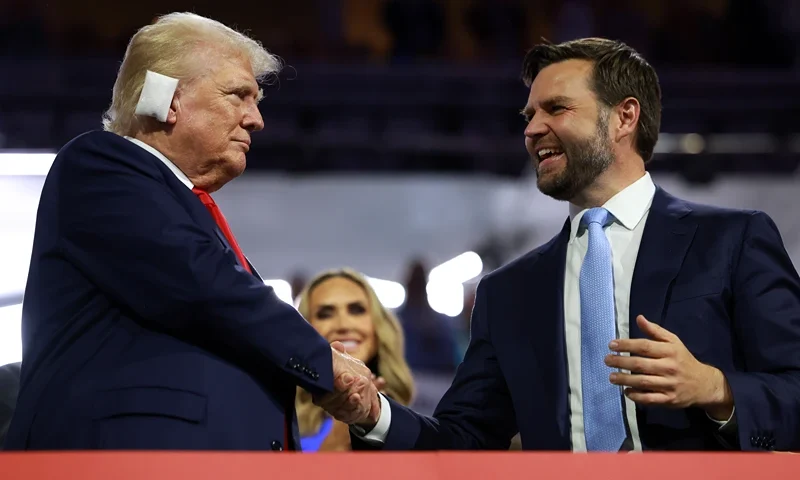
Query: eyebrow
[[248, 90], [546, 104], [349, 304]]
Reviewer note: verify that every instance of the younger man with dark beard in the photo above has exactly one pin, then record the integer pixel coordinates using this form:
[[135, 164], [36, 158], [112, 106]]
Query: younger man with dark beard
[[648, 323]]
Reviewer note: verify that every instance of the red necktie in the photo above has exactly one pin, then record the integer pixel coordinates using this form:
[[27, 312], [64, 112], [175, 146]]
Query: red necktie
[[216, 213]]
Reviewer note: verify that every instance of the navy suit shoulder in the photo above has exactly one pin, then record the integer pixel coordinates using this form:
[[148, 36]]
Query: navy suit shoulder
[[140, 329], [733, 217], [702, 211], [744, 222], [523, 264], [98, 150]]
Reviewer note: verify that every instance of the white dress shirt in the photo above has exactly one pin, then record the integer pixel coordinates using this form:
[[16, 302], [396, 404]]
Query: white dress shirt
[[629, 208]]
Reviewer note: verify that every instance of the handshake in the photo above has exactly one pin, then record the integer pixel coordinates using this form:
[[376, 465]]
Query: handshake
[[354, 399]]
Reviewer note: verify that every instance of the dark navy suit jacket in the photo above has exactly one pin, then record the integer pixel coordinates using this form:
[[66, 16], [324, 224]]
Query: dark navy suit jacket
[[140, 328], [719, 279]]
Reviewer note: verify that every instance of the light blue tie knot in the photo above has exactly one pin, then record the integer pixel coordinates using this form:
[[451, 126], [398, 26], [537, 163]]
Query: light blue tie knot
[[597, 215], [604, 427]]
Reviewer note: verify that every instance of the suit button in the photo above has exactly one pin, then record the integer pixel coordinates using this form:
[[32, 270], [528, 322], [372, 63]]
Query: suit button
[[276, 445]]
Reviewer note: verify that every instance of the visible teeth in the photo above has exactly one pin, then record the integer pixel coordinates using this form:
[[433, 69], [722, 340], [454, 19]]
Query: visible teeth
[[350, 344], [547, 151]]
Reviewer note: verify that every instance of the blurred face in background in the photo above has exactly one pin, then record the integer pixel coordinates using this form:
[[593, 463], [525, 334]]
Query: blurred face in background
[[340, 311], [567, 135]]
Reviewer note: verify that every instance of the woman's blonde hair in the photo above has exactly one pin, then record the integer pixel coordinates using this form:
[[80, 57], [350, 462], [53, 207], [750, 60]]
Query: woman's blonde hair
[[177, 45], [389, 362]]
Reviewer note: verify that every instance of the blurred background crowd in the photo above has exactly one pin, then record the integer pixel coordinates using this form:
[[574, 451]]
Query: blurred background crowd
[[741, 33]]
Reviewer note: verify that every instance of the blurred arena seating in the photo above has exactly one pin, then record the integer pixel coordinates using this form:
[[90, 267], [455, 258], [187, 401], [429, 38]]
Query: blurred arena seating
[[434, 119]]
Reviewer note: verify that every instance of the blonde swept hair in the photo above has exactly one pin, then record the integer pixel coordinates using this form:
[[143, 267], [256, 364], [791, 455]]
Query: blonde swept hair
[[177, 45], [389, 361]]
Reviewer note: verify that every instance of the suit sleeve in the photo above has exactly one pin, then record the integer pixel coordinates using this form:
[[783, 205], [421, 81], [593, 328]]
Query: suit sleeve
[[766, 296], [475, 413], [123, 227]]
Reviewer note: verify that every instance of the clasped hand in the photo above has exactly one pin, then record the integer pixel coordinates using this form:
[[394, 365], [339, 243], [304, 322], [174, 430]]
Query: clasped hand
[[354, 399]]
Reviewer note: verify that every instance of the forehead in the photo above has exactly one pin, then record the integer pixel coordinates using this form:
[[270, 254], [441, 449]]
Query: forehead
[[230, 70], [569, 78], [337, 289]]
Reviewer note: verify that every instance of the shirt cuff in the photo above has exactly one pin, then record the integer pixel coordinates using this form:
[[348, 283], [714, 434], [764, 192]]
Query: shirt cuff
[[376, 436], [729, 423]]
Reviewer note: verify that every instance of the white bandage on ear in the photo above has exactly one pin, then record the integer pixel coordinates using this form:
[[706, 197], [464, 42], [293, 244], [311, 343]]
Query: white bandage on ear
[[156, 96]]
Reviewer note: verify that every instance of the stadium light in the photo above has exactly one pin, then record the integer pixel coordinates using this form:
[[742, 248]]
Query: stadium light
[[446, 283], [25, 163], [10, 334], [391, 294], [282, 289]]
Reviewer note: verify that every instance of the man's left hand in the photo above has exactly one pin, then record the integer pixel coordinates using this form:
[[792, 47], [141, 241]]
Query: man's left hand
[[665, 373]]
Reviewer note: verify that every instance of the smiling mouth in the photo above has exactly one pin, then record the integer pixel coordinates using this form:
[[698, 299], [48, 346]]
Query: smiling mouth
[[350, 345], [548, 155]]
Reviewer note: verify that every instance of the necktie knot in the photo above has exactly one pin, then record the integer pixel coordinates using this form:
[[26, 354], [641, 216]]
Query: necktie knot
[[597, 215]]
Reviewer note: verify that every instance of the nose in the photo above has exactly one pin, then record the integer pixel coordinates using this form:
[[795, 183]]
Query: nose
[[536, 129], [347, 322], [252, 120], [344, 323]]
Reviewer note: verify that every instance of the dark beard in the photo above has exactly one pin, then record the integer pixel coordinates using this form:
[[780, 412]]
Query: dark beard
[[586, 160]]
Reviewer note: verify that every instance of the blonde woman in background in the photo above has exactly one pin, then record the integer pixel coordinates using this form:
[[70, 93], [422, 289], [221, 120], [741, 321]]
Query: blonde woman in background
[[342, 306]]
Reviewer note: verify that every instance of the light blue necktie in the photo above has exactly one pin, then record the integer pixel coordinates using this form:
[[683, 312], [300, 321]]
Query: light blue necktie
[[602, 401]]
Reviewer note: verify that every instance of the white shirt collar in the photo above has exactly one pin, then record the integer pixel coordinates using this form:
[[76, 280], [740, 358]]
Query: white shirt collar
[[628, 206], [172, 167]]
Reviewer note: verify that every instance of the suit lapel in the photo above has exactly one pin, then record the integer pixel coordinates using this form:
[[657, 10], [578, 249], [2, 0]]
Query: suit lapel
[[665, 242], [221, 237], [195, 207], [543, 281], [197, 210]]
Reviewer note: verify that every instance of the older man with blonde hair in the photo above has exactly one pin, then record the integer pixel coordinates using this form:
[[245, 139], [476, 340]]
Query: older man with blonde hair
[[144, 325]]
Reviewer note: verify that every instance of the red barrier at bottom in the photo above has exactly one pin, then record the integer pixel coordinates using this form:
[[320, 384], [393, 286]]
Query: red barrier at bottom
[[390, 466]]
